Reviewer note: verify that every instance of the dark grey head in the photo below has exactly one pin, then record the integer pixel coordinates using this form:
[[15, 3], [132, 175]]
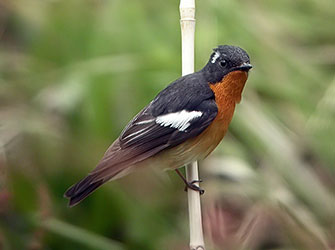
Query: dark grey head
[[225, 59]]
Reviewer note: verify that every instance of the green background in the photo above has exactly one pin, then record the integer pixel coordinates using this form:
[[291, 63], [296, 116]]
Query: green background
[[73, 73]]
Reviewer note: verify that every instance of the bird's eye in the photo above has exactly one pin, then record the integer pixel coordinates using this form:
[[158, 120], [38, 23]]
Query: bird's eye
[[223, 63]]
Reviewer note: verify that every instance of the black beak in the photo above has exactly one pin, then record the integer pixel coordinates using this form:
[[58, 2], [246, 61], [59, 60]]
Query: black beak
[[244, 67]]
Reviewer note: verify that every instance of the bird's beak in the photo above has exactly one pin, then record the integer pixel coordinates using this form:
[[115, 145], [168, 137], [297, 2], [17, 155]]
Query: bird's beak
[[244, 67]]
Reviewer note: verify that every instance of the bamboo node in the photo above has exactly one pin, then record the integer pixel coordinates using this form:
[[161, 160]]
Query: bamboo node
[[198, 248]]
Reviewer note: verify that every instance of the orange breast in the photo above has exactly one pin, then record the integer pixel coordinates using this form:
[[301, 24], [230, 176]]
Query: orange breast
[[227, 94]]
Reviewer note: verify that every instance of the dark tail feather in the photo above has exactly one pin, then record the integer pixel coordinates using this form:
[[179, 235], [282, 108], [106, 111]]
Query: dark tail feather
[[82, 189]]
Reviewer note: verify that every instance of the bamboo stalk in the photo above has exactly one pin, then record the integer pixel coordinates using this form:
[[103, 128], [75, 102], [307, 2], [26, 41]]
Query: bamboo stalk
[[187, 23]]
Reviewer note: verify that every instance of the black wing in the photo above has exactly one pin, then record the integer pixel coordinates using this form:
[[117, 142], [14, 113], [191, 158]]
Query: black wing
[[145, 131], [188, 94], [144, 136]]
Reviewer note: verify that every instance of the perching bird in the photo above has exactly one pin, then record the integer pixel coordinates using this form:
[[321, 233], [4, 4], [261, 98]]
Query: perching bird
[[184, 123]]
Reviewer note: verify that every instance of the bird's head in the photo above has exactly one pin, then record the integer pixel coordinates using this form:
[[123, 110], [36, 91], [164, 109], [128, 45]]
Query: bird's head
[[226, 59]]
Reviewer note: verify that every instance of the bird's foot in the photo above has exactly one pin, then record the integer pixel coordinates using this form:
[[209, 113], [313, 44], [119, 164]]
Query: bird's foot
[[191, 184], [194, 187]]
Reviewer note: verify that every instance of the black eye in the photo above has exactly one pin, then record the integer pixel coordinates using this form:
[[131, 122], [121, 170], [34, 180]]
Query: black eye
[[223, 63]]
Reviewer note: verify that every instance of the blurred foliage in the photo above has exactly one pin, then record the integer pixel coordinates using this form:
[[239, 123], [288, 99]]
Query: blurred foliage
[[73, 73]]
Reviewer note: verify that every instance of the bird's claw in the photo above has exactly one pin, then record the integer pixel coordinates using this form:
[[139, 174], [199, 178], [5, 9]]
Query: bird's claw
[[194, 187], [196, 181]]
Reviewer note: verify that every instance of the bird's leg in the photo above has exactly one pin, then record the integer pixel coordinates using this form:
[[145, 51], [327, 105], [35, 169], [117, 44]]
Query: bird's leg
[[190, 184]]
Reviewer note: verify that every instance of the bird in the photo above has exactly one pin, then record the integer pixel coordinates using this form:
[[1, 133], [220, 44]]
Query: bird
[[184, 123]]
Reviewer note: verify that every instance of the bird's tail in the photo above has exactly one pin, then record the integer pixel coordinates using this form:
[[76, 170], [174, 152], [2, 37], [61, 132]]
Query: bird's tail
[[82, 189], [115, 164], [94, 180]]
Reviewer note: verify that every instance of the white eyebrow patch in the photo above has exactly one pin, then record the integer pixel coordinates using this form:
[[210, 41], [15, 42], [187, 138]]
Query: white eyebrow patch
[[216, 56], [179, 120]]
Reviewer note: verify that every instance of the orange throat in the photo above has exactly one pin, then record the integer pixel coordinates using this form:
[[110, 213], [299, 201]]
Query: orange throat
[[227, 93], [230, 88]]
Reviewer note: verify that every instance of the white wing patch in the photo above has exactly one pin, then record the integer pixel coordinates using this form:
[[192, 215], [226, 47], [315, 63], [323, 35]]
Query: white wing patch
[[179, 120], [216, 56]]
